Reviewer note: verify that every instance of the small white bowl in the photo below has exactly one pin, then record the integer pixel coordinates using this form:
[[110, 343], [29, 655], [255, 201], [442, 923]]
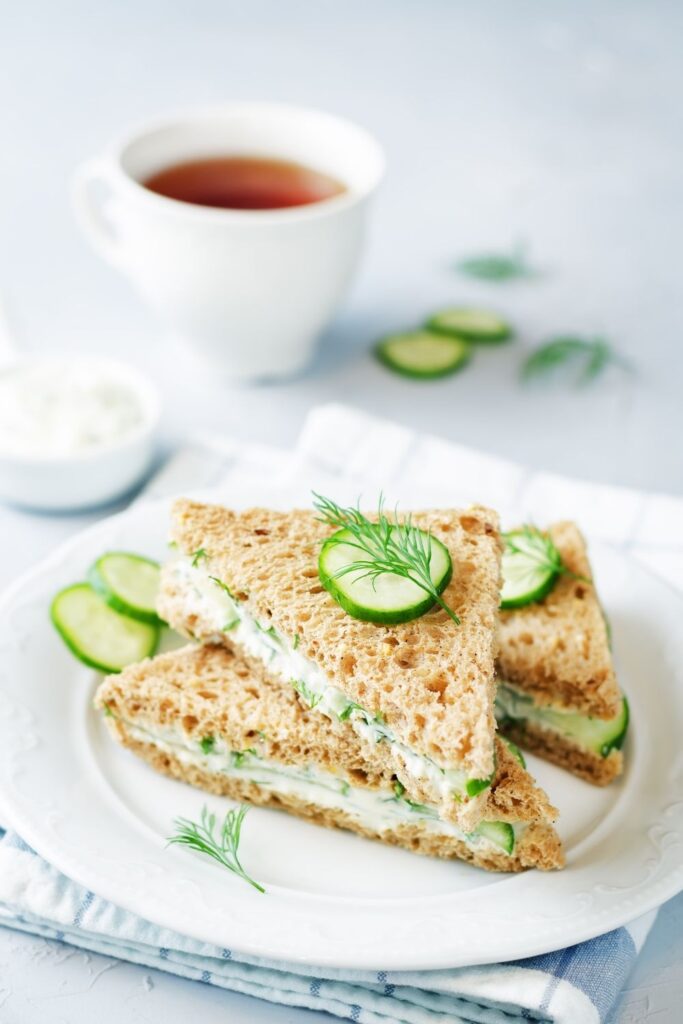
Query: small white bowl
[[75, 481]]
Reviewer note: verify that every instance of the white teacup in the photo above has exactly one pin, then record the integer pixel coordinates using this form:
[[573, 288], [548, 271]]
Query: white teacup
[[248, 289]]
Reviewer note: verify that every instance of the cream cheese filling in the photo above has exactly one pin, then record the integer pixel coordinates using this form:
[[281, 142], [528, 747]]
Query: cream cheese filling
[[209, 599], [377, 810]]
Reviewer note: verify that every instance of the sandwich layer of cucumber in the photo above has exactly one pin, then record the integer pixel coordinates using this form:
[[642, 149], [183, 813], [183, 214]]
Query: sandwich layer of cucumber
[[202, 715], [420, 694]]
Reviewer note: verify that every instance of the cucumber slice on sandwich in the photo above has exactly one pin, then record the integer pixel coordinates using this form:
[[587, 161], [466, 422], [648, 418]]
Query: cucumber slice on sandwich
[[501, 833], [530, 566], [99, 636], [477, 325], [128, 583], [423, 354], [597, 734], [385, 597]]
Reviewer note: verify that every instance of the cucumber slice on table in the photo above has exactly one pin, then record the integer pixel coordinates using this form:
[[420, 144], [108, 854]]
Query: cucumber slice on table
[[128, 583], [527, 575], [385, 598], [99, 636], [423, 354], [499, 832], [471, 324]]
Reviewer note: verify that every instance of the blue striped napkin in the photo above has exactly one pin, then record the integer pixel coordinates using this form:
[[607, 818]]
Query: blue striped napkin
[[578, 985], [357, 452]]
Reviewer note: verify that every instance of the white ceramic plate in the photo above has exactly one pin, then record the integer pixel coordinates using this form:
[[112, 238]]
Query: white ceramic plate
[[332, 898]]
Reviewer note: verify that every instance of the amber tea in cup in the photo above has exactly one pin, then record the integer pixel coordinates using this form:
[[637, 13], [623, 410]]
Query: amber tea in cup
[[244, 183]]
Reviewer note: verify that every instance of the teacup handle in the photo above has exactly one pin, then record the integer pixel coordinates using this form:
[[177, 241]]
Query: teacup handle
[[90, 210]]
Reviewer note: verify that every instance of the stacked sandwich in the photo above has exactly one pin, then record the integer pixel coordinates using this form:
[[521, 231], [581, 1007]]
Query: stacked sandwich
[[324, 682]]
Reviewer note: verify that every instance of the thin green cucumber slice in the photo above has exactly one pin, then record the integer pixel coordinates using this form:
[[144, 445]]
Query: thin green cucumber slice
[[478, 325], [128, 583], [98, 635], [423, 354], [514, 750], [529, 573], [473, 787], [599, 735], [499, 832], [386, 598]]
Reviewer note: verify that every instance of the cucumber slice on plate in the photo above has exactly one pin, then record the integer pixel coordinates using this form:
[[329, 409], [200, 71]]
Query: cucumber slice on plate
[[99, 636], [530, 565], [470, 324], [423, 354], [385, 598], [128, 583], [499, 832]]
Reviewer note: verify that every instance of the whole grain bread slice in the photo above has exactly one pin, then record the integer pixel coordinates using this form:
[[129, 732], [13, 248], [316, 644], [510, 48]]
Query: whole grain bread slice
[[430, 680], [557, 649], [210, 691]]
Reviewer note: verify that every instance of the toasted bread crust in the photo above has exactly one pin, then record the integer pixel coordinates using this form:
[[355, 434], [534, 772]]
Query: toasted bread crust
[[557, 649], [432, 681], [212, 691], [538, 847], [560, 750]]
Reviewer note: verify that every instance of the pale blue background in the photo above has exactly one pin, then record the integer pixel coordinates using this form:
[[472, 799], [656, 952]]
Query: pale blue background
[[553, 121]]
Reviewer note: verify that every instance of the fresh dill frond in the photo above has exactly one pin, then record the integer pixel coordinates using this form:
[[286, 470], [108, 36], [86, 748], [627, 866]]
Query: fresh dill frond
[[590, 355], [297, 641], [200, 555], [238, 757], [268, 631], [399, 789], [540, 550], [385, 547], [423, 809], [221, 844], [498, 267], [217, 581], [349, 709], [207, 743], [305, 691]]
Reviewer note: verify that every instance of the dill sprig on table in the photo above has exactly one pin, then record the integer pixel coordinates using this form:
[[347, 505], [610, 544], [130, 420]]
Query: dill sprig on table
[[592, 354], [222, 847], [497, 267], [385, 547]]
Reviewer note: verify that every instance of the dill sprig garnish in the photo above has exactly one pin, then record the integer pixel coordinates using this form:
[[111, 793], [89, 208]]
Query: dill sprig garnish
[[540, 549], [385, 547], [497, 267], [593, 355], [222, 847]]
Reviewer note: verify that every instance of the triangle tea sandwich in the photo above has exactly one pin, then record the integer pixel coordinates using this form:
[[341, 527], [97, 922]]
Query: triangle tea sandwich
[[207, 717], [418, 694], [557, 694]]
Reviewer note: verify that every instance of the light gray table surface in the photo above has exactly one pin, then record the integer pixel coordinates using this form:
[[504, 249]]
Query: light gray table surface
[[557, 124]]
